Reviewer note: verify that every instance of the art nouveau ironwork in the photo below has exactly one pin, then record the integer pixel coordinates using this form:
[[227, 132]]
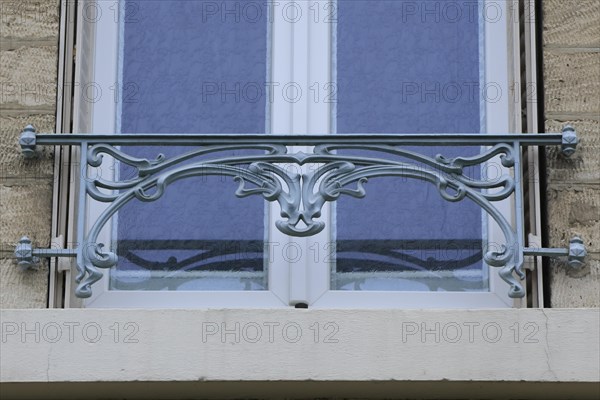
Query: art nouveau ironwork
[[300, 194]]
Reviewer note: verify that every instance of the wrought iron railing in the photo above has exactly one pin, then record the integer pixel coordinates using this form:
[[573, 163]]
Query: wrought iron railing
[[301, 196]]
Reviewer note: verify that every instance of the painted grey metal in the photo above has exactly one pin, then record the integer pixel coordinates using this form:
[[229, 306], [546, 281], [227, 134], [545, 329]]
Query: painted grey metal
[[575, 254], [27, 141], [301, 196], [24, 254], [29, 257], [186, 139], [569, 141]]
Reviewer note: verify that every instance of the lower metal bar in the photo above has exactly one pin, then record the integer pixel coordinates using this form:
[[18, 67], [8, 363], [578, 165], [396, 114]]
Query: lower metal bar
[[575, 254], [48, 253], [545, 252]]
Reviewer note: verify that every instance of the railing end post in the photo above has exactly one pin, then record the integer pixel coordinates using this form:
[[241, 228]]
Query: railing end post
[[27, 141], [577, 253], [24, 254], [569, 141]]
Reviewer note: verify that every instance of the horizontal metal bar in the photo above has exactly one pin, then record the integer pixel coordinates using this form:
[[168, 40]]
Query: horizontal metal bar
[[527, 251], [54, 252], [430, 139], [28, 257], [545, 252], [575, 254]]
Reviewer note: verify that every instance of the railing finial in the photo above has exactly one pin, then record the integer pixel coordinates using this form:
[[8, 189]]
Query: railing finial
[[24, 254], [569, 141], [577, 253], [27, 141]]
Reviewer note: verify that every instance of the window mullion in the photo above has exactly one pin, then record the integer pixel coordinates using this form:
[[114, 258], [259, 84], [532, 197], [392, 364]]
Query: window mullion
[[300, 66]]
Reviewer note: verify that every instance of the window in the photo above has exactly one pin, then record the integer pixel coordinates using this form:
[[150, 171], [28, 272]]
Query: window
[[326, 67]]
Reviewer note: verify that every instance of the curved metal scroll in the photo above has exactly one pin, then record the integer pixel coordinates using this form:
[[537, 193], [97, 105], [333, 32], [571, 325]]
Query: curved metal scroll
[[300, 196]]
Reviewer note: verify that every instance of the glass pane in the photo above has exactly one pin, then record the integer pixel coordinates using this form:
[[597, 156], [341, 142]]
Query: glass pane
[[409, 67], [185, 70]]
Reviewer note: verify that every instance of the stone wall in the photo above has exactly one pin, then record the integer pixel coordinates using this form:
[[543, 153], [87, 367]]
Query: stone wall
[[29, 33], [571, 46]]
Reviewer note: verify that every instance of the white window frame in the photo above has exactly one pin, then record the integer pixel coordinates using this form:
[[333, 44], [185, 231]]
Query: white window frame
[[303, 281]]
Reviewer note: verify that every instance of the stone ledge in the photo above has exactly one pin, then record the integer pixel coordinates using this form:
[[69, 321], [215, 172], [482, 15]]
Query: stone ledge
[[319, 345]]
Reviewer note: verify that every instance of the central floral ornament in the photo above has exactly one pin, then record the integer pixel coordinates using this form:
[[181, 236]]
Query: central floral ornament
[[301, 196]]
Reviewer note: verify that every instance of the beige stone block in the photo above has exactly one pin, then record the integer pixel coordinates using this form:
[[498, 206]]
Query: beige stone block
[[13, 165], [22, 289], [29, 19], [574, 210], [25, 210], [572, 82], [584, 165], [28, 77], [572, 23], [575, 289]]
